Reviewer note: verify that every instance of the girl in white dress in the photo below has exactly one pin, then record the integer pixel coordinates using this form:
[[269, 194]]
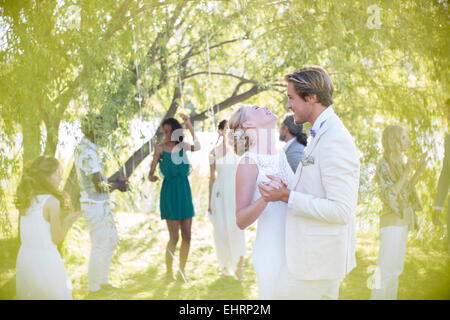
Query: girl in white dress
[[252, 130], [40, 272], [228, 238]]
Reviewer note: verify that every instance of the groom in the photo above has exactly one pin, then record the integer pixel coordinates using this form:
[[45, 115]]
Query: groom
[[321, 210]]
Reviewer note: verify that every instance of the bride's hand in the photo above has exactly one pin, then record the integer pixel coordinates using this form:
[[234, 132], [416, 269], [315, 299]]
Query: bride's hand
[[279, 181], [270, 194], [273, 184]]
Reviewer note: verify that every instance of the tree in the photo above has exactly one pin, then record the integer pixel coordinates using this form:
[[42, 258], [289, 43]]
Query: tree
[[129, 59]]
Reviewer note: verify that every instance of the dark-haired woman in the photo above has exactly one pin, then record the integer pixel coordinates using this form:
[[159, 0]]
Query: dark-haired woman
[[40, 271], [295, 139], [175, 197]]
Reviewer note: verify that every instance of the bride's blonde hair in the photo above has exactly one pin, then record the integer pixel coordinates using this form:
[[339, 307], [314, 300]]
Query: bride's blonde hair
[[237, 135]]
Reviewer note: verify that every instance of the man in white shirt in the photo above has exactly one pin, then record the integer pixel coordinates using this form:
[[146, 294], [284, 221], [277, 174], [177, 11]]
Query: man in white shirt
[[94, 200], [322, 198]]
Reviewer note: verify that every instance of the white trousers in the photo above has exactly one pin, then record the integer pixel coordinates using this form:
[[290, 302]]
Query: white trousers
[[391, 258], [103, 234], [289, 288]]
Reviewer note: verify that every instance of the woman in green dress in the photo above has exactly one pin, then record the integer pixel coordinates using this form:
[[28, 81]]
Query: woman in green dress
[[175, 198]]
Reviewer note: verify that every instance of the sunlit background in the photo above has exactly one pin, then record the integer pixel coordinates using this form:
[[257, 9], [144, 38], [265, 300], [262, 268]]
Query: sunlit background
[[135, 62]]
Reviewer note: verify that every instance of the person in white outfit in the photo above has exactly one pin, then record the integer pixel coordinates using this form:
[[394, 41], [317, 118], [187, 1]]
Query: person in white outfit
[[253, 136], [228, 238], [94, 201], [400, 201], [45, 218], [321, 200]]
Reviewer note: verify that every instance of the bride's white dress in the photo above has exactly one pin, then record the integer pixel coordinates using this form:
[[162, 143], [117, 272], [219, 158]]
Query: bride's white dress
[[269, 247], [229, 239], [40, 271]]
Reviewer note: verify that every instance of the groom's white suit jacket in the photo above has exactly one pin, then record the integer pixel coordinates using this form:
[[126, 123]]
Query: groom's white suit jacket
[[321, 214]]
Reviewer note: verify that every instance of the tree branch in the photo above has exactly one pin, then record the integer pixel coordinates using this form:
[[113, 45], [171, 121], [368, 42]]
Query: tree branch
[[218, 45], [232, 100], [139, 155], [220, 74]]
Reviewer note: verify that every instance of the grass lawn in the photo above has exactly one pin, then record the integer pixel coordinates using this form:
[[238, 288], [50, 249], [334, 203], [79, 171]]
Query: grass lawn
[[138, 266]]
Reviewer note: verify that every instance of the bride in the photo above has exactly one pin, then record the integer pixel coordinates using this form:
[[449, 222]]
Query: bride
[[252, 133]]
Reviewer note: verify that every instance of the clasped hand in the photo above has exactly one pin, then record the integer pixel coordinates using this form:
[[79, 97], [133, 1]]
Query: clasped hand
[[273, 190]]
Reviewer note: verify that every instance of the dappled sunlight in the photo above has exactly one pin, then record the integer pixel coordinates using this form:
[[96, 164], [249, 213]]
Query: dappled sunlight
[[138, 266], [119, 68]]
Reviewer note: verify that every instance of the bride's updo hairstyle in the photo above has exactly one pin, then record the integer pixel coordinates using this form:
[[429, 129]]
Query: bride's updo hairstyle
[[237, 134]]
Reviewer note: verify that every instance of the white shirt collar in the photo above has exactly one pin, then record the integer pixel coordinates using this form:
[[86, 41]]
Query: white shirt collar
[[286, 146], [327, 113]]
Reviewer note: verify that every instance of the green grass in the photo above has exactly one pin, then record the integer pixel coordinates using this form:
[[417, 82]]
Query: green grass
[[138, 265]]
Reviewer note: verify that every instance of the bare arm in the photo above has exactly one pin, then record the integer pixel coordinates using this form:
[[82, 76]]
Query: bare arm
[[187, 122], [196, 146], [398, 186], [247, 211], [419, 171], [212, 176], [98, 182], [58, 228], [156, 157]]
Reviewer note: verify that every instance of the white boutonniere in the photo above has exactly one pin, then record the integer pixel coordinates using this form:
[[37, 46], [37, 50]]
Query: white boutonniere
[[307, 160]]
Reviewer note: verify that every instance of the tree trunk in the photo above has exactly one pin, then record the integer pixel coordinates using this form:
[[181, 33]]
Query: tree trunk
[[31, 133], [73, 189], [52, 137]]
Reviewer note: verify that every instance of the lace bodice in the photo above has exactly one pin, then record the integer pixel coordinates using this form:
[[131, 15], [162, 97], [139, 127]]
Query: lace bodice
[[273, 164]]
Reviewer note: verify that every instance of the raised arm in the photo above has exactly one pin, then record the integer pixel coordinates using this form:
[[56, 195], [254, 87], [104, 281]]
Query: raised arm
[[404, 178], [419, 171], [156, 157], [187, 122], [247, 211], [58, 228], [212, 175]]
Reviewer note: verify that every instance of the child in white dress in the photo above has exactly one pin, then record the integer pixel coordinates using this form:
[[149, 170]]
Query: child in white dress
[[40, 271]]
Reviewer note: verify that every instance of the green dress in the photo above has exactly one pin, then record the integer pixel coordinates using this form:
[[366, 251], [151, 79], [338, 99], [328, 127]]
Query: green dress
[[175, 199]]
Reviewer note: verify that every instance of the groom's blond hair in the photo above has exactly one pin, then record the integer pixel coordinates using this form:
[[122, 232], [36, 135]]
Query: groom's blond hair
[[312, 80]]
